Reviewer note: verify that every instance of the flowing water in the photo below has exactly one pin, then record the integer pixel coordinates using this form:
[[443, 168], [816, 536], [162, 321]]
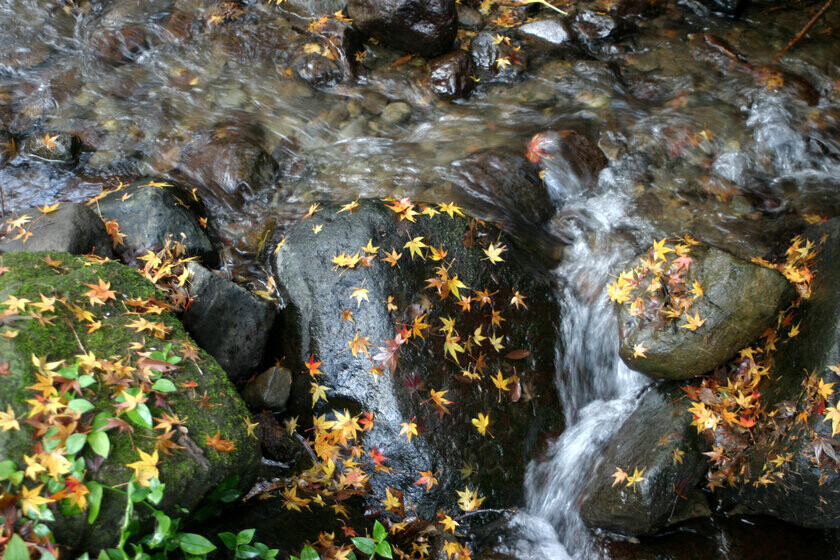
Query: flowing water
[[699, 140]]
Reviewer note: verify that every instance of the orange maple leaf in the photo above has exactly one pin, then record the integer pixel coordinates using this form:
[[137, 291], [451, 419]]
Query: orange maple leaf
[[99, 294], [223, 445]]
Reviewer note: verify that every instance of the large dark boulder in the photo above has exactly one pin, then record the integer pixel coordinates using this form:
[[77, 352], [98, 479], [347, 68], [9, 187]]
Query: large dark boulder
[[425, 27], [739, 302], [804, 488], [659, 440], [317, 327], [114, 352], [72, 228], [451, 76], [149, 212], [53, 146]]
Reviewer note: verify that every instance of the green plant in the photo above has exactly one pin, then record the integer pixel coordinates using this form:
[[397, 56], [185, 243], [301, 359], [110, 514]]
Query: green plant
[[240, 544], [372, 547]]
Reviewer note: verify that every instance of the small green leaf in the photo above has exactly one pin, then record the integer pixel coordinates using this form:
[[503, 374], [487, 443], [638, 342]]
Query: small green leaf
[[379, 532], [74, 443], [141, 415], [80, 405], [86, 381], [69, 372], [245, 536], [364, 544], [309, 553], [192, 543], [99, 442], [164, 385], [247, 551], [7, 468], [383, 549], [228, 539], [16, 549], [156, 490]]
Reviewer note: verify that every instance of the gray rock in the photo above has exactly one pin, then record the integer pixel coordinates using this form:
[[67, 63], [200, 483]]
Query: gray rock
[[316, 70], [548, 33], [270, 390], [485, 52], [425, 27], [73, 228], [739, 303], [396, 113], [317, 295], [147, 215], [650, 438], [58, 147], [469, 18], [374, 103], [228, 321]]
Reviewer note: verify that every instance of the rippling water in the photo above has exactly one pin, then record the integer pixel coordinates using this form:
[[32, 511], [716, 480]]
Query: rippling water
[[697, 143]]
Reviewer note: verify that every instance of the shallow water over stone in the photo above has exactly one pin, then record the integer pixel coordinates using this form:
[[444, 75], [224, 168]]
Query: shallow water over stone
[[699, 137]]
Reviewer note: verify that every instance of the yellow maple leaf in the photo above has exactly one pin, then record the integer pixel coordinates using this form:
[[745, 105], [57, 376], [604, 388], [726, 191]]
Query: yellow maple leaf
[[146, 468], [481, 424]]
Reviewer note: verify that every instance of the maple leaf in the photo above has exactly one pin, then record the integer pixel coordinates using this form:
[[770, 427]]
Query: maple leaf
[[349, 207], [250, 427], [636, 477], [481, 423], [317, 229], [377, 456], [659, 250], [437, 254], [693, 323], [453, 285], [639, 350], [451, 345], [49, 141], [164, 443], [619, 475], [347, 315], [825, 389], [468, 500], [409, 429], [31, 499], [359, 345], [833, 414], [676, 456], [415, 246], [216, 442], [360, 294], [440, 402], [388, 356], [312, 209], [451, 209], [493, 251], [448, 523], [294, 502], [392, 257], [391, 501], [518, 299], [312, 366], [427, 479], [8, 420], [100, 293], [318, 392], [48, 208], [496, 342], [146, 468]]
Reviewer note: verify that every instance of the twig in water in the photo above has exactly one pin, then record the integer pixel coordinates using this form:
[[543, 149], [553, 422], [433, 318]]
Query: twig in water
[[804, 30]]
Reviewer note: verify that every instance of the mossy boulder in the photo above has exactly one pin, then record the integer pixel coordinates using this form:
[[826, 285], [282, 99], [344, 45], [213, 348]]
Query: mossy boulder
[[205, 400], [317, 295], [739, 302], [658, 440]]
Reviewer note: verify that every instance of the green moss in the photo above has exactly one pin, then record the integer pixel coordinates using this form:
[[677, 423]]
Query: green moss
[[190, 473]]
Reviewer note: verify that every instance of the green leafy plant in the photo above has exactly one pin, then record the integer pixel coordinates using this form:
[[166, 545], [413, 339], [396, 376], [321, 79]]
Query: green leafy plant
[[372, 547], [241, 546]]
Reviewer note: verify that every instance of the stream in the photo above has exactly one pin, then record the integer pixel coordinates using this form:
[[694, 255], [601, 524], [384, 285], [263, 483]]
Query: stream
[[730, 148]]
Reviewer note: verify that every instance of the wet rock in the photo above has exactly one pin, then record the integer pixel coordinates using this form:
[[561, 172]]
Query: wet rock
[[486, 54], [317, 295], [276, 443], [316, 70], [119, 45], [8, 147], [546, 33], [373, 102], [590, 25], [180, 26], [148, 215], [739, 303], [189, 473], [659, 439], [451, 75], [229, 167], [396, 113], [313, 9], [269, 390], [502, 186], [72, 228], [570, 161], [779, 79], [427, 27], [806, 488], [53, 146], [729, 7], [469, 18], [227, 320]]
